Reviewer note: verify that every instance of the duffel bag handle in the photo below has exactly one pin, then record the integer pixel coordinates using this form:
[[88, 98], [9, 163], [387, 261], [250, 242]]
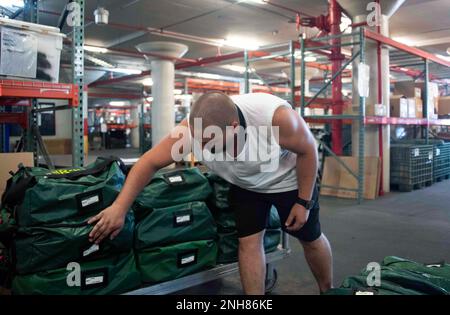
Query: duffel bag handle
[[95, 170]]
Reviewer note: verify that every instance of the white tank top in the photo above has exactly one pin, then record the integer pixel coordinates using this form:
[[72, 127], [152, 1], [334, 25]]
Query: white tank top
[[272, 172]]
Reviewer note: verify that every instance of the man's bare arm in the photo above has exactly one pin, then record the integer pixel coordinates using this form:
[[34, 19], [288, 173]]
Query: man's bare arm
[[296, 137], [110, 221]]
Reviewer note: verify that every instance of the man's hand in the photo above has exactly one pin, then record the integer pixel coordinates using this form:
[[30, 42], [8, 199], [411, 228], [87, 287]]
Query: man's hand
[[109, 223], [297, 218]]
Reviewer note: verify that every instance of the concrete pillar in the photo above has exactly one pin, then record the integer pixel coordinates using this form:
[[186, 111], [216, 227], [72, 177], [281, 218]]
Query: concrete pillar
[[135, 131], [372, 134], [163, 75]]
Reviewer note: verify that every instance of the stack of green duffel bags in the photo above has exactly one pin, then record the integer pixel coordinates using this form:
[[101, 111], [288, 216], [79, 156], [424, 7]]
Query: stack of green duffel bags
[[226, 222], [400, 276], [50, 248], [175, 231]]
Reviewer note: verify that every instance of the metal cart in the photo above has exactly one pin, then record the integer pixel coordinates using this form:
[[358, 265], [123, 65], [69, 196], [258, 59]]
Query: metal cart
[[219, 272]]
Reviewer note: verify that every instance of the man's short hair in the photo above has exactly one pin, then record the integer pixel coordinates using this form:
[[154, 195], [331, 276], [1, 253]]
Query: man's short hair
[[215, 109]]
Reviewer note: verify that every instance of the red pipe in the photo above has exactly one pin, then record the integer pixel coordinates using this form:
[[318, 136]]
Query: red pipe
[[336, 64]]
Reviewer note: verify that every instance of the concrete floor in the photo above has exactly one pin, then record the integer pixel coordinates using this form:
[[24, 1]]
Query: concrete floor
[[413, 225]]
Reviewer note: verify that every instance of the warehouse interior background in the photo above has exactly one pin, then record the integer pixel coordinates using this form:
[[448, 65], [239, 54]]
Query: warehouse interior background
[[123, 75]]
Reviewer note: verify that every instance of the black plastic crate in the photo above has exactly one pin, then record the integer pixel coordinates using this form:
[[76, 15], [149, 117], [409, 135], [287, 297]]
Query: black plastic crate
[[411, 166]]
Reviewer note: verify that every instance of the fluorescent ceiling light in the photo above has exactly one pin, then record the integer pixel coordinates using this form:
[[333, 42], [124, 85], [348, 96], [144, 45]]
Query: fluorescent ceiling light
[[405, 40], [235, 68], [95, 49], [125, 70], [12, 3], [446, 58], [177, 92], [98, 61], [242, 42], [310, 59], [147, 82], [117, 103], [256, 81], [256, 1]]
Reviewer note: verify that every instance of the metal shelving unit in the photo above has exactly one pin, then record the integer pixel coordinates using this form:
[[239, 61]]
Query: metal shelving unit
[[14, 92], [363, 35]]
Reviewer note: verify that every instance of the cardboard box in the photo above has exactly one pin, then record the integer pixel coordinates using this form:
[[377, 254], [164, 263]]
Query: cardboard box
[[419, 107], [399, 106], [10, 161], [376, 110], [336, 175], [409, 89], [58, 146], [411, 107], [444, 105]]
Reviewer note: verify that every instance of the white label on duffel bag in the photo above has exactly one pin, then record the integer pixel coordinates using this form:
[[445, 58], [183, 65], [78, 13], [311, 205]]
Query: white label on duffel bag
[[183, 219], [89, 201], [430, 155], [438, 152], [175, 179], [416, 152], [187, 260], [364, 293], [94, 280], [90, 250]]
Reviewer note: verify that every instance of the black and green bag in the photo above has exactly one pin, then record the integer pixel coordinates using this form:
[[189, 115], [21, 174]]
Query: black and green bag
[[437, 273], [228, 244], [175, 261], [402, 282], [169, 188], [38, 196], [176, 224], [112, 275], [53, 246]]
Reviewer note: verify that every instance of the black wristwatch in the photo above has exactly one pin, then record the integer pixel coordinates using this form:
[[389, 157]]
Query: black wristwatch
[[308, 204]]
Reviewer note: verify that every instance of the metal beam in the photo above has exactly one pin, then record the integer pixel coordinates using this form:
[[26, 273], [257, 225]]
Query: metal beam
[[412, 50]]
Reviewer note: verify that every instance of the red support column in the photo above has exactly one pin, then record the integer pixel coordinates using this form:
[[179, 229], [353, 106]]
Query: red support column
[[336, 59]]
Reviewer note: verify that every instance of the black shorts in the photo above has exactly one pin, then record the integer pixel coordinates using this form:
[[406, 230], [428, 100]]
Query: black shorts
[[253, 209]]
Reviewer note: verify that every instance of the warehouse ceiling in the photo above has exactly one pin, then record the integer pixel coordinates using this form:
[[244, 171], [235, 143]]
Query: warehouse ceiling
[[423, 23]]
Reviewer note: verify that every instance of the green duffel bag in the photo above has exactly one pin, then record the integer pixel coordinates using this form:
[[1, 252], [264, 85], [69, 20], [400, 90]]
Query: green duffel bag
[[112, 275], [54, 246], [274, 219], [176, 224], [176, 261], [39, 196], [218, 200], [228, 244], [168, 188], [398, 281], [365, 291], [438, 273], [7, 223]]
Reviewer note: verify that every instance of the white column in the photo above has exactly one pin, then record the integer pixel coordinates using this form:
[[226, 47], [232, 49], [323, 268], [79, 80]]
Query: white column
[[163, 114]]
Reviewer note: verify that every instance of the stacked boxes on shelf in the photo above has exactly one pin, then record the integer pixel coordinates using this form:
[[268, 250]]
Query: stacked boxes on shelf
[[176, 233], [51, 247], [226, 223]]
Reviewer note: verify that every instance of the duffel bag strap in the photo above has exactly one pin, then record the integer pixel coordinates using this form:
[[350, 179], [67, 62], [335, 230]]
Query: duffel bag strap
[[15, 191], [99, 168]]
